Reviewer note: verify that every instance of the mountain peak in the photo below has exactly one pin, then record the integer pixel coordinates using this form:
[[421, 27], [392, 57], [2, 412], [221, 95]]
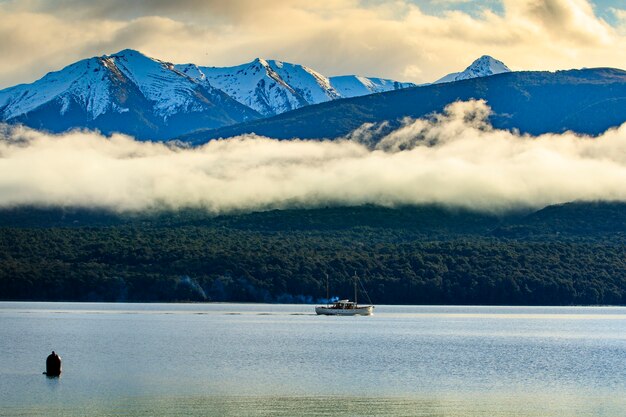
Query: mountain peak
[[481, 67], [127, 53], [260, 61], [487, 65], [132, 59], [486, 58]]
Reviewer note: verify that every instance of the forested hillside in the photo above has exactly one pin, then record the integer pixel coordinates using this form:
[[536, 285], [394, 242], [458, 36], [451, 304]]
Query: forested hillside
[[561, 255]]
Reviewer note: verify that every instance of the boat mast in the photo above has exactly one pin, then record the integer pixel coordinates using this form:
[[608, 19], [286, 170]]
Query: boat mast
[[356, 303], [327, 292]]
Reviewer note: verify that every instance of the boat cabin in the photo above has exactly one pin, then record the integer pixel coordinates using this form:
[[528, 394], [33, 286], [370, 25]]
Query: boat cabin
[[344, 304]]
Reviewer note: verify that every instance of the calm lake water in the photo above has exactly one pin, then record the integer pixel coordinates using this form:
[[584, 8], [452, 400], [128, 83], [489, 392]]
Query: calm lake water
[[282, 360]]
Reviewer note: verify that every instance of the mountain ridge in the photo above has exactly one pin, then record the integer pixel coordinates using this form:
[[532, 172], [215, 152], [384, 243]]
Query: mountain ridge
[[131, 93], [150, 99], [533, 102], [272, 87], [125, 92]]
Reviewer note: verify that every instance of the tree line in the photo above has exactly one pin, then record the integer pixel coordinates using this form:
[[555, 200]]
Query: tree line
[[247, 260]]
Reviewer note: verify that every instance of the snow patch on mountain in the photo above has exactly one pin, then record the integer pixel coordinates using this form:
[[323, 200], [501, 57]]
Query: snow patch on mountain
[[268, 86], [170, 90], [89, 83], [482, 67], [312, 85], [84, 82], [353, 85], [102, 85], [273, 87], [254, 84]]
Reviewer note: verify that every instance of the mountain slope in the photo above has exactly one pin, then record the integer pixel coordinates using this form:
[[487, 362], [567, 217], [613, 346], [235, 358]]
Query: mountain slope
[[272, 87], [587, 101], [353, 85], [124, 92], [482, 67], [259, 86], [131, 93]]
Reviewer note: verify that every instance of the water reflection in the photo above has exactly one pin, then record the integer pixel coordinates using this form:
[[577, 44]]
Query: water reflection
[[277, 406]]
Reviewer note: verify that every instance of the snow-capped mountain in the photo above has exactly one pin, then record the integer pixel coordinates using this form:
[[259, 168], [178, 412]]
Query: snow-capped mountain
[[131, 93], [273, 87], [123, 92], [353, 85], [482, 67], [259, 86]]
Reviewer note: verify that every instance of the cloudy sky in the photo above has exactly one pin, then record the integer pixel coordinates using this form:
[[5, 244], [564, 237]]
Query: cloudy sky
[[412, 40]]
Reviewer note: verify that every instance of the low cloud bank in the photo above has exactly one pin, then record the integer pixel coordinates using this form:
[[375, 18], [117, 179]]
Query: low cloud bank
[[456, 158]]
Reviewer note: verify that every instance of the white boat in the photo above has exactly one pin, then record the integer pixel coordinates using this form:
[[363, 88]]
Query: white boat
[[345, 307]]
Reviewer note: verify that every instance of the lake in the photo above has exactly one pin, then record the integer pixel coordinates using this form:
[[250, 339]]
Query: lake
[[282, 360]]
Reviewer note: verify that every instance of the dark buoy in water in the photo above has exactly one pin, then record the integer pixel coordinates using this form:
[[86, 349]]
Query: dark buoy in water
[[53, 365]]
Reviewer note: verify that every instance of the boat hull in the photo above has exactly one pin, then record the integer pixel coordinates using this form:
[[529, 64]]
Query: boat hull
[[358, 311]]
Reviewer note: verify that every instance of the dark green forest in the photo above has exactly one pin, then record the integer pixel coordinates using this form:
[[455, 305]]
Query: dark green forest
[[572, 254]]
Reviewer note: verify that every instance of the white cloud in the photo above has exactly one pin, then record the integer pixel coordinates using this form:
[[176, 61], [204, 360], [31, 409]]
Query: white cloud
[[456, 159]]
